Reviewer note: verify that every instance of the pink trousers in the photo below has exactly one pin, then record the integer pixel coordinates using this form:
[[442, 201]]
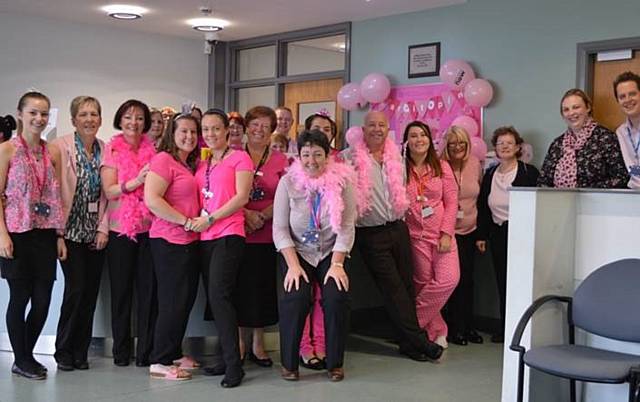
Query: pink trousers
[[312, 342], [435, 277]]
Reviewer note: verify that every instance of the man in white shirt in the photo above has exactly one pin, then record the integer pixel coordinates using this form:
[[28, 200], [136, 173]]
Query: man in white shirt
[[284, 119], [626, 89]]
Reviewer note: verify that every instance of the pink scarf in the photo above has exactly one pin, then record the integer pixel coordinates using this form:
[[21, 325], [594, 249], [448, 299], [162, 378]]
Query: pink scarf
[[566, 174], [330, 184], [132, 212], [393, 170]]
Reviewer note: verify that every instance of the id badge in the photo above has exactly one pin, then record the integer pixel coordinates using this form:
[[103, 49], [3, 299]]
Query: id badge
[[42, 209], [203, 212], [460, 214], [634, 170], [93, 207], [311, 236], [427, 212], [259, 173]]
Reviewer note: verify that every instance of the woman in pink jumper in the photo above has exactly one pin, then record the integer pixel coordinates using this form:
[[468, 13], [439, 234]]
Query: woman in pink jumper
[[30, 216], [433, 197]]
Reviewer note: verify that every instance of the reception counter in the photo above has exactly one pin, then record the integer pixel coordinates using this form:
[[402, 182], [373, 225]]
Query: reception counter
[[556, 239]]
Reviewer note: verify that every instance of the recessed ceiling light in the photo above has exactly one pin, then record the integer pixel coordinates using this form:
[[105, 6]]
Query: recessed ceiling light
[[124, 11], [207, 24]]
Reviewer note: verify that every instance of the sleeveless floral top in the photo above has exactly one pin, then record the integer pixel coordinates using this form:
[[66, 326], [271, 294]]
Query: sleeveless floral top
[[24, 201]]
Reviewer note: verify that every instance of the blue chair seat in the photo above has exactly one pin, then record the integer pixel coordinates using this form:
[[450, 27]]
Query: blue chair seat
[[582, 363]]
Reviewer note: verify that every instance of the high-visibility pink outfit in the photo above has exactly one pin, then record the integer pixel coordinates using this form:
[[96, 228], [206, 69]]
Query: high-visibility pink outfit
[[432, 212]]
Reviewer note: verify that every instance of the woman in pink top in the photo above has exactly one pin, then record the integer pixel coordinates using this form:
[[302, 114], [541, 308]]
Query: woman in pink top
[[124, 167], [171, 194], [433, 197], [30, 216], [224, 180], [256, 298], [468, 173]]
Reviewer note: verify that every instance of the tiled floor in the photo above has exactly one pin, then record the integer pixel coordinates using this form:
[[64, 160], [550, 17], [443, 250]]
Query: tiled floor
[[374, 372]]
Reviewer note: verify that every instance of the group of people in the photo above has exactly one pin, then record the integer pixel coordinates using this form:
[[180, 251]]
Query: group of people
[[269, 224]]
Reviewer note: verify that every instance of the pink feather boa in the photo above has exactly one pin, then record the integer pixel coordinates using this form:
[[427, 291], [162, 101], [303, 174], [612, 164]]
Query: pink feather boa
[[132, 212], [393, 169], [330, 184]]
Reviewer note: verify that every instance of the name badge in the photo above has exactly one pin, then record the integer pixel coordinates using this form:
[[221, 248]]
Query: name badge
[[634, 170], [259, 173], [93, 207], [460, 214], [203, 212], [427, 212]]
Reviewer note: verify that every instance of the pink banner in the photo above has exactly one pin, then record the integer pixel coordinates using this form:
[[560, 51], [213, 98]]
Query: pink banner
[[434, 104]]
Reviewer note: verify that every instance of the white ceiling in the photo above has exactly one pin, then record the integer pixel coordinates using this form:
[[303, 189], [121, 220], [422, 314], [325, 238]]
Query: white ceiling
[[248, 18]]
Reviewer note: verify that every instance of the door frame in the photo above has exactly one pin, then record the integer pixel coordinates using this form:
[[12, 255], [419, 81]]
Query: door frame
[[586, 52]]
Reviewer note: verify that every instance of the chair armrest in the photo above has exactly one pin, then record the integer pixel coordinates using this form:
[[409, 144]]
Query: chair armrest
[[524, 320]]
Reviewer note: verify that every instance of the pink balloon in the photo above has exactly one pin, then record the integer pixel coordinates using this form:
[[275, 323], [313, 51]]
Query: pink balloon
[[349, 97], [375, 87], [478, 92], [468, 123], [478, 148], [456, 73], [527, 153], [354, 135]]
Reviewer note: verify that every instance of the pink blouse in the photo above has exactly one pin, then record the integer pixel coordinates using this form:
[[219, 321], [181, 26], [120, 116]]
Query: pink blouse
[[181, 194], [468, 181], [435, 211], [30, 184], [267, 179], [222, 187]]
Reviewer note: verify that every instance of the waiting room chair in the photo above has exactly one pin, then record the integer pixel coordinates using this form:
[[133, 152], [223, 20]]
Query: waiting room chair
[[606, 304]]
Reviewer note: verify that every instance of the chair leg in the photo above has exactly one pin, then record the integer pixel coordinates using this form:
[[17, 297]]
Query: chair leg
[[520, 395], [634, 384], [572, 390]]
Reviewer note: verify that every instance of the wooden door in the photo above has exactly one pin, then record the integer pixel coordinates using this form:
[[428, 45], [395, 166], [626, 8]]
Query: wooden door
[[304, 95], [605, 107]]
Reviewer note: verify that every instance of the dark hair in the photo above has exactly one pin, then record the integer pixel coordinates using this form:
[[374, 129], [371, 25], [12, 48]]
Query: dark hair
[[432, 156], [625, 77], [261, 111], [168, 143], [579, 93], [218, 112], [195, 108], [133, 103], [32, 95], [7, 125], [507, 130], [311, 138], [237, 117], [309, 120]]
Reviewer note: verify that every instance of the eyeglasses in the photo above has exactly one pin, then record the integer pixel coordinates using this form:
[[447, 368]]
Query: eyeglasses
[[457, 145], [505, 144]]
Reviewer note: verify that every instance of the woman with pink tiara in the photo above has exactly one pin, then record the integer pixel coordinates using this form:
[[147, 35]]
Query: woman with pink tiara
[[30, 217]]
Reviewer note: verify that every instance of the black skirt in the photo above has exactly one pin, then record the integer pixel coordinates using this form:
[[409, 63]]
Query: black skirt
[[34, 256], [256, 298]]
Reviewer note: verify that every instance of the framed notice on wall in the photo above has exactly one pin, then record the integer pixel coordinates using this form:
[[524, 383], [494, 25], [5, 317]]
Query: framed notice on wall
[[424, 60]]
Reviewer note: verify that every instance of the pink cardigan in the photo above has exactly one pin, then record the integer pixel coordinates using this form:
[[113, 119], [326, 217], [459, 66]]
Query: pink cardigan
[[69, 180]]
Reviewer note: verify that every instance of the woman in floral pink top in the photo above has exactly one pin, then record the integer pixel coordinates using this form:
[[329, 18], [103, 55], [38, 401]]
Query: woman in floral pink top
[[30, 219]]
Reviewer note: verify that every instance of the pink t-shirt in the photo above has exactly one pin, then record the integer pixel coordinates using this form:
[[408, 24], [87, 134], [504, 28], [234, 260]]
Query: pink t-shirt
[[267, 180], [222, 187], [181, 194]]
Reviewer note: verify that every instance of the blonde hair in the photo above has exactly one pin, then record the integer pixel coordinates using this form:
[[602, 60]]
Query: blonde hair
[[456, 133]]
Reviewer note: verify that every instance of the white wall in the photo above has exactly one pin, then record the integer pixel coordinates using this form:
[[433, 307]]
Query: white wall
[[64, 60]]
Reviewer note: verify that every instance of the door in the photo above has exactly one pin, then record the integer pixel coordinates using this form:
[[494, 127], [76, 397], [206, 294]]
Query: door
[[307, 97], [605, 107]]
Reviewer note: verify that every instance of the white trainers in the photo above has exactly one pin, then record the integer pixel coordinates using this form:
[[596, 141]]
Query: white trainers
[[442, 341]]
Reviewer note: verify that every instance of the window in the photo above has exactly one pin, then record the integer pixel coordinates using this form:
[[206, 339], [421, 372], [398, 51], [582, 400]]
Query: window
[[255, 96], [316, 55], [256, 63]]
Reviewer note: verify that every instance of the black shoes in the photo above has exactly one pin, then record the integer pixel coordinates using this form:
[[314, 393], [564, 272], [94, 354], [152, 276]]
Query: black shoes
[[267, 362], [81, 365], [314, 363], [474, 337], [414, 354], [233, 381], [142, 363], [29, 373], [121, 362], [458, 339], [63, 366], [216, 370]]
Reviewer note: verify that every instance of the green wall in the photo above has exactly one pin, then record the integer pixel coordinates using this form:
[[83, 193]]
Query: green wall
[[527, 49]]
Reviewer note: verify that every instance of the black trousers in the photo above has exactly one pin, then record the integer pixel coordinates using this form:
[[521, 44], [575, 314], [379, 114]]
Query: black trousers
[[176, 271], [130, 263], [82, 273], [459, 308], [294, 307], [221, 259], [386, 251], [498, 236]]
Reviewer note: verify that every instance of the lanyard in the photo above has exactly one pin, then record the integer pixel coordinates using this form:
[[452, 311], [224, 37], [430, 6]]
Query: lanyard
[[421, 188], [210, 169], [262, 160], [91, 167], [39, 183], [314, 208], [635, 146]]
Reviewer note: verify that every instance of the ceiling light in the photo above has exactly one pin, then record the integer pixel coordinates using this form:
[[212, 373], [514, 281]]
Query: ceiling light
[[207, 24], [124, 12]]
